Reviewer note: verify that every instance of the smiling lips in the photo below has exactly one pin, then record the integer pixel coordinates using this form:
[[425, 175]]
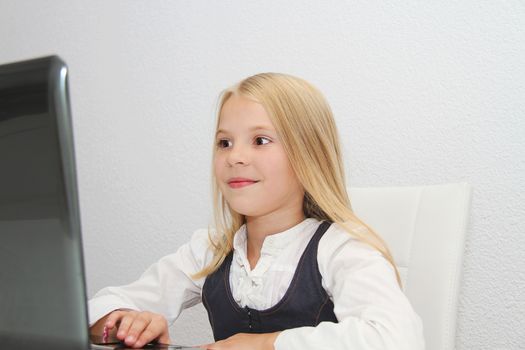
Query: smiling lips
[[238, 182]]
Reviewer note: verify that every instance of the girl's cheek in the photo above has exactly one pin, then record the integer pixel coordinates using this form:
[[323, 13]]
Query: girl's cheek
[[217, 165]]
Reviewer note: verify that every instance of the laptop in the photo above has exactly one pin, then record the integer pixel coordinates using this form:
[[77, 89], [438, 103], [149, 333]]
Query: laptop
[[43, 299]]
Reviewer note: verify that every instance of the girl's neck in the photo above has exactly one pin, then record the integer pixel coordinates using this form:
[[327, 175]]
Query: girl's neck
[[259, 227]]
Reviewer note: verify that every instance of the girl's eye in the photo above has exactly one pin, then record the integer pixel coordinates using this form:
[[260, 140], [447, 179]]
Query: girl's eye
[[259, 141], [224, 143]]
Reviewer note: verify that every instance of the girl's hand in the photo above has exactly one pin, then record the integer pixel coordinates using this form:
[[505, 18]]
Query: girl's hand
[[136, 329], [243, 341]]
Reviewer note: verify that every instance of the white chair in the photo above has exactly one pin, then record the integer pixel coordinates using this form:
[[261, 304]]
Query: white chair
[[425, 228]]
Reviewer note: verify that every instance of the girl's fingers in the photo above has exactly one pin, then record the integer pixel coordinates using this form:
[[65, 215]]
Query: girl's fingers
[[113, 318], [165, 338], [125, 324], [139, 326], [136, 329], [146, 336], [156, 329]]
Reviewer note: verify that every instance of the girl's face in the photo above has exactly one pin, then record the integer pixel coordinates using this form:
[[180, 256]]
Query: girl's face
[[251, 167]]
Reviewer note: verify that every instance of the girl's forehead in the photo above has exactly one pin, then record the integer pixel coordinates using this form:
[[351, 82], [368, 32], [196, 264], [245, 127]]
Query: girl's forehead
[[239, 111]]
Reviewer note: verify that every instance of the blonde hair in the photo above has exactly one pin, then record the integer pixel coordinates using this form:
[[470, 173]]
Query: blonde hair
[[306, 127]]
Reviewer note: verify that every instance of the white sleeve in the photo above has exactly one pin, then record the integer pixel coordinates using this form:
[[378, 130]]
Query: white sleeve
[[165, 287], [372, 311]]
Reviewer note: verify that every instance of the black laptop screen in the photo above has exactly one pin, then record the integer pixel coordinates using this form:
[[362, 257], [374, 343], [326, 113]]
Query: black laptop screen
[[42, 293]]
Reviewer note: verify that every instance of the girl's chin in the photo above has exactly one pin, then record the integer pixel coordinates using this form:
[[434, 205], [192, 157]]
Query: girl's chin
[[245, 210], [246, 213]]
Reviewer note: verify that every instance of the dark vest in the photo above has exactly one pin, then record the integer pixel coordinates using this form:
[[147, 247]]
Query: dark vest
[[305, 303]]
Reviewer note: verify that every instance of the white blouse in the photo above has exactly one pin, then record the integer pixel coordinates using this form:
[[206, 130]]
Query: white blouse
[[372, 311]]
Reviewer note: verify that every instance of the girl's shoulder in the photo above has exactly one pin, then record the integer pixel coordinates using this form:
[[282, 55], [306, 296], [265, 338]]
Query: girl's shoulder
[[339, 246], [204, 237], [199, 248], [342, 256], [337, 237]]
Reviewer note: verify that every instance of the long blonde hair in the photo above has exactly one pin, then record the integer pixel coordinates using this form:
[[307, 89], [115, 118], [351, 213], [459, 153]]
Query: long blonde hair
[[306, 127]]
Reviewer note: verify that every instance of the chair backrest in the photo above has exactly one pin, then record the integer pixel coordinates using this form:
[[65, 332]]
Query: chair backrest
[[425, 228]]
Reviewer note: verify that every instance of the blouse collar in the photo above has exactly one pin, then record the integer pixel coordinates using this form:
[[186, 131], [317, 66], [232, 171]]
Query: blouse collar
[[274, 243]]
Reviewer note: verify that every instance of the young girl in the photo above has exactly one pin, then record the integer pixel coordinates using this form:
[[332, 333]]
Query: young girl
[[288, 265]]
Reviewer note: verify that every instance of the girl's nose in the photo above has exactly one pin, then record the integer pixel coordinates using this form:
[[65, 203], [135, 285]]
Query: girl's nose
[[238, 155]]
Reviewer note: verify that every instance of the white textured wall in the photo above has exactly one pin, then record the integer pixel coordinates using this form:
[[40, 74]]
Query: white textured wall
[[423, 92]]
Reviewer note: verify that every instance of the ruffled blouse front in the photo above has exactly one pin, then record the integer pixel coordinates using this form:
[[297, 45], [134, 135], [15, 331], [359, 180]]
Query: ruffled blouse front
[[276, 266]]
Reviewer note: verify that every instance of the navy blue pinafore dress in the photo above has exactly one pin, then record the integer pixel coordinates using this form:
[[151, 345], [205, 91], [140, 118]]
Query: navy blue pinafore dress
[[305, 303]]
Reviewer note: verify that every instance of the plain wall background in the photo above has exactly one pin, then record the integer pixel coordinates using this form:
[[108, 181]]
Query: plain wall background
[[423, 93]]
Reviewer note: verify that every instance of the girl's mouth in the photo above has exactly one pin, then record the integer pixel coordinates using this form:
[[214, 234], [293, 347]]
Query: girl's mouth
[[240, 182]]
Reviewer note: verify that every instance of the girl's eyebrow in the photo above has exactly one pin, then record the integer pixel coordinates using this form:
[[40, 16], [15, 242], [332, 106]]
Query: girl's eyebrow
[[252, 129]]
